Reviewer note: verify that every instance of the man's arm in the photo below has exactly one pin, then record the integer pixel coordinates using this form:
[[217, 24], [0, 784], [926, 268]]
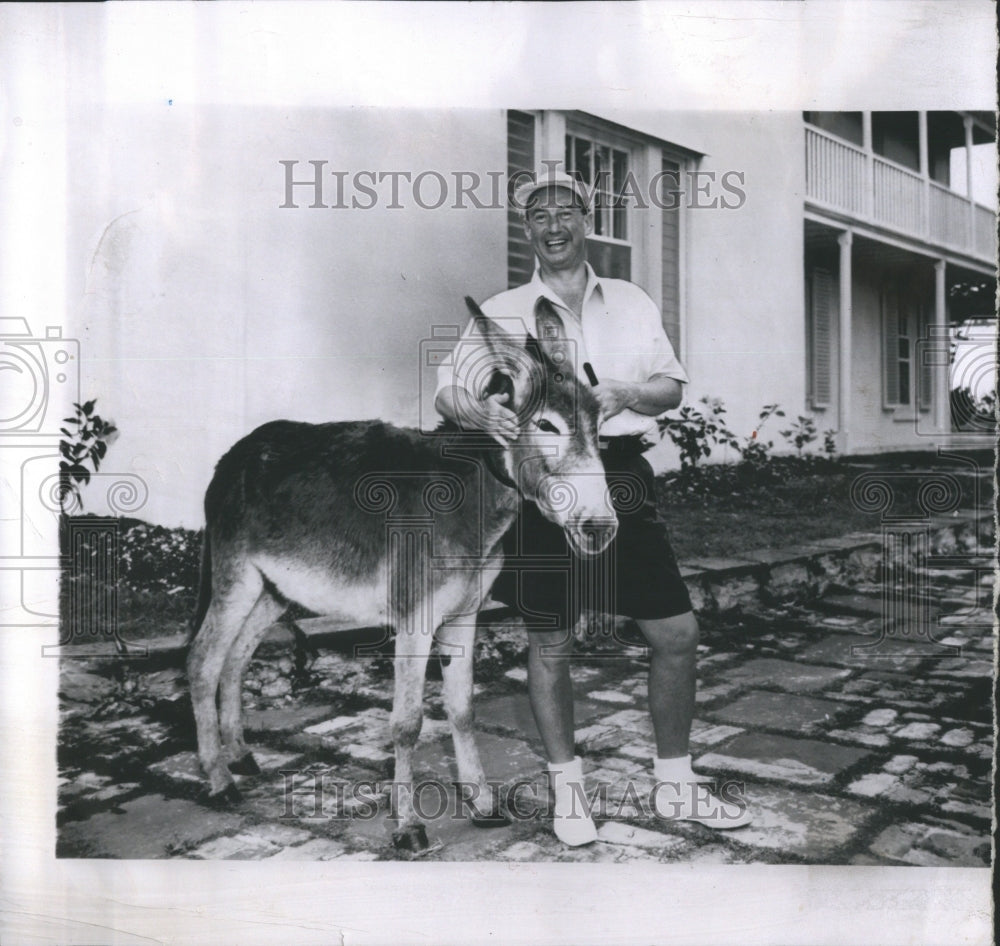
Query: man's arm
[[660, 393]]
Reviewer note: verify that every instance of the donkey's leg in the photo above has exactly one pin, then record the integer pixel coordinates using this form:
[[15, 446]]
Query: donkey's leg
[[413, 645], [265, 612], [234, 596], [456, 645]]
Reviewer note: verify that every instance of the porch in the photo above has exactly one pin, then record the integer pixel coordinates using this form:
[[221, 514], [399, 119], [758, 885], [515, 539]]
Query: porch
[[881, 320], [891, 171]]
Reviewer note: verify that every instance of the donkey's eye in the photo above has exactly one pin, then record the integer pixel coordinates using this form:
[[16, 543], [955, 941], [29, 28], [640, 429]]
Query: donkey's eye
[[547, 426]]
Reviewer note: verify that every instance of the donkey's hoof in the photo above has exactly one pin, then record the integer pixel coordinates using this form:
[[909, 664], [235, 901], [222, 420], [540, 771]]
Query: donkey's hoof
[[230, 795], [497, 818], [413, 838], [245, 765]]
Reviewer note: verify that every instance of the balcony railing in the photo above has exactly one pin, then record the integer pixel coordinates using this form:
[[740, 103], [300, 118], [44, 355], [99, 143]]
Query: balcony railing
[[949, 216], [846, 178], [898, 195], [985, 231]]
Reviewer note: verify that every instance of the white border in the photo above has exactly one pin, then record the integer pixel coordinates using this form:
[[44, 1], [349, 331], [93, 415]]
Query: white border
[[593, 56]]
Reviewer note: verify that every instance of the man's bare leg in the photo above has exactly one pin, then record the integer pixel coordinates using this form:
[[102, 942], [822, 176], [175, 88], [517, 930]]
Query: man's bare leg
[[680, 793], [550, 688]]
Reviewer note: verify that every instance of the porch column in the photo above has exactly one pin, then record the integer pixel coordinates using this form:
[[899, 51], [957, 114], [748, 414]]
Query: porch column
[[941, 385], [868, 204], [845, 240], [924, 171], [967, 121]]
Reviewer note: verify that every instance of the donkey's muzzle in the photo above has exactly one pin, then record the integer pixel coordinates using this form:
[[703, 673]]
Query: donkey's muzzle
[[591, 535]]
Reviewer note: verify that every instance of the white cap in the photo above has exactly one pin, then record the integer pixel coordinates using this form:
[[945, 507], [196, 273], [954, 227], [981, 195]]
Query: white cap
[[548, 177]]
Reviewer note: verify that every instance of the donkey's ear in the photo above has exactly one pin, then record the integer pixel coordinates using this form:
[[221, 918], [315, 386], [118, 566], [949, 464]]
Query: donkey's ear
[[474, 309], [552, 334], [549, 322], [534, 349], [489, 329]]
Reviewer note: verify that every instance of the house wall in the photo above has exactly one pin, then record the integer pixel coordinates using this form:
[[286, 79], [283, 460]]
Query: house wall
[[895, 136], [744, 322], [204, 309]]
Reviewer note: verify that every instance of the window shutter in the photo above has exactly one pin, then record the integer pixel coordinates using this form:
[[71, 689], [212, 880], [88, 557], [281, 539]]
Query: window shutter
[[520, 158], [820, 332], [671, 254], [925, 377], [890, 348]]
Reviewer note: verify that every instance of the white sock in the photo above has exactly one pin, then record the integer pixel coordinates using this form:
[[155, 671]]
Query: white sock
[[571, 819], [673, 770]]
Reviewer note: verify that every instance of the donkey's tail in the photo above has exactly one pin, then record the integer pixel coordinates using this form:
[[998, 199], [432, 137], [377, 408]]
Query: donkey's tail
[[204, 588]]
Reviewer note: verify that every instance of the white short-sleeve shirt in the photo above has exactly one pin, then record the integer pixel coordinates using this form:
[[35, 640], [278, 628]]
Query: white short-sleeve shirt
[[619, 333]]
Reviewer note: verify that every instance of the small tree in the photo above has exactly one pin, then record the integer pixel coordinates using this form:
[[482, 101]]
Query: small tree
[[694, 433], [754, 450], [801, 433], [87, 443], [830, 443]]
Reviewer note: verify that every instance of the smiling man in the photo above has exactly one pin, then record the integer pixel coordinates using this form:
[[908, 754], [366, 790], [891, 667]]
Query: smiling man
[[614, 328]]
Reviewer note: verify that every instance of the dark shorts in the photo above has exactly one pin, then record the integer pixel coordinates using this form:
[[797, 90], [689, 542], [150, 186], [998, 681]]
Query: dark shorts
[[637, 576]]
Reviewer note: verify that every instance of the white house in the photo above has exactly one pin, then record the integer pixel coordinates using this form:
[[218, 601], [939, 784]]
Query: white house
[[226, 266]]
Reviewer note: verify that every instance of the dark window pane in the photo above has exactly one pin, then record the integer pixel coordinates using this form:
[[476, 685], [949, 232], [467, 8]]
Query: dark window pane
[[904, 382], [610, 259], [619, 169], [620, 221], [583, 162]]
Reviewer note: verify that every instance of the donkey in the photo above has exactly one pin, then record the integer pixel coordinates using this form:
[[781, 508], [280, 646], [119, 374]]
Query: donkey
[[311, 514]]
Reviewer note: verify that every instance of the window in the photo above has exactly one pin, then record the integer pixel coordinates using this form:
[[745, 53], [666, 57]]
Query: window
[[604, 169], [905, 382], [820, 309]]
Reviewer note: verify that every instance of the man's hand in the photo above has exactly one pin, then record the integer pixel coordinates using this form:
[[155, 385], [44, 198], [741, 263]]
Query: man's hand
[[501, 422], [654, 396], [489, 415], [614, 396]]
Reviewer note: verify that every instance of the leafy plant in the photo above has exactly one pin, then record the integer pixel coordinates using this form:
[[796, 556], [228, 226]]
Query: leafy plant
[[87, 443], [800, 433], [969, 412], [695, 433], [155, 558], [830, 443], [754, 451]]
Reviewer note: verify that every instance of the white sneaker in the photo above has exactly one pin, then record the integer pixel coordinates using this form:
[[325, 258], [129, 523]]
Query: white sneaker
[[571, 819]]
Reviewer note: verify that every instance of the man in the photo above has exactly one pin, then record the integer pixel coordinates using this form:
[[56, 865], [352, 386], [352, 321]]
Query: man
[[615, 326]]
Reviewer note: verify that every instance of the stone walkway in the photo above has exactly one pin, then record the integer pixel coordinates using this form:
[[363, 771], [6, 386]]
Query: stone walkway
[[854, 740]]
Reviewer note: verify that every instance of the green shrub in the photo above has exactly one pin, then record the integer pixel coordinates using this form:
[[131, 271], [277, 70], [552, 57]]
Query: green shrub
[[695, 433], [154, 558]]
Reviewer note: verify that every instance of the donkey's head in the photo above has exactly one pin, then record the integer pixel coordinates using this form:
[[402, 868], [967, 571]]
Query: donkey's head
[[555, 460]]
